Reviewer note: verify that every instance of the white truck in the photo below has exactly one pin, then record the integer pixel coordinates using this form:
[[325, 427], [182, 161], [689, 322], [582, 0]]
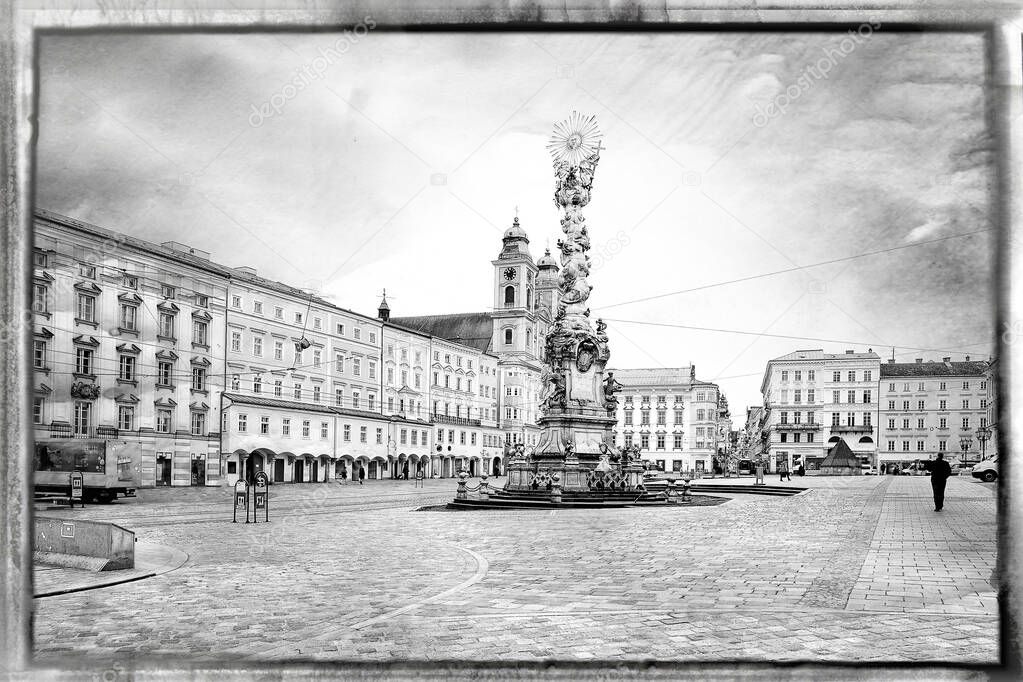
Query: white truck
[[986, 470]]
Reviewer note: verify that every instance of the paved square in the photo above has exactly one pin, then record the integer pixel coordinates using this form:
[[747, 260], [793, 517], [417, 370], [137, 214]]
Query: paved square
[[853, 569]]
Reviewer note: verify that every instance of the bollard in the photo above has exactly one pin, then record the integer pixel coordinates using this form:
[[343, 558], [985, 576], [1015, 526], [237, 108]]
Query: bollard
[[462, 493], [484, 488], [556, 488]]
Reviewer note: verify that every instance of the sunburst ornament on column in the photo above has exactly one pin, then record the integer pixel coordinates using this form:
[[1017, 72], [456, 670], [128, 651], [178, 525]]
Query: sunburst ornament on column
[[574, 139]]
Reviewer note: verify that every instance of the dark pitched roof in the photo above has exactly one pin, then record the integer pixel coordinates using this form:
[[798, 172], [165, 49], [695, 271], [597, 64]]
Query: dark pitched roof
[[277, 402], [468, 329], [934, 369]]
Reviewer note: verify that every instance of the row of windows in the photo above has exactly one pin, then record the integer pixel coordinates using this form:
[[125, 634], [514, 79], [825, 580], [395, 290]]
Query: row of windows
[[299, 318], [127, 367], [920, 445], [662, 416], [942, 423], [661, 441], [701, 396], [796, 437], [81, 424], [942, 405], [942, 386], [867, 397], [88, 271], [836, 376]]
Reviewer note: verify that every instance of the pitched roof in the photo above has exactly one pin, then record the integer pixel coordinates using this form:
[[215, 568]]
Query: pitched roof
[[819, 354], [934, 369], [662, 376], [241, 399], [475, 330]]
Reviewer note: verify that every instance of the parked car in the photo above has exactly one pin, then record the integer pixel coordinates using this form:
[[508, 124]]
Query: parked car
[[987, 470]]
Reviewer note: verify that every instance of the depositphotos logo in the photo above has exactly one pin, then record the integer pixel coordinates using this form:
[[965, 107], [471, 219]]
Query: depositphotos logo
[[312, 71]]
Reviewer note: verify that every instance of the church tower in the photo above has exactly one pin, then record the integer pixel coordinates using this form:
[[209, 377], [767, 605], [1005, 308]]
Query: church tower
[[515, 297]]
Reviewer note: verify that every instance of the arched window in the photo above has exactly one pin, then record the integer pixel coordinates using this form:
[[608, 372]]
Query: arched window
[[509, 295], [529, 337], [529, 299], [508, 336]]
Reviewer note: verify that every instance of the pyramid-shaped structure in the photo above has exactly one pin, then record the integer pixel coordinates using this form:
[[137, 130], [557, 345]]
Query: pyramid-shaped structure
[[841, 461]]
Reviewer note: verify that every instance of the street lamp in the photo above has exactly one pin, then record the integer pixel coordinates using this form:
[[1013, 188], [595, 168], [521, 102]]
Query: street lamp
[[983, 435], [965, 443]]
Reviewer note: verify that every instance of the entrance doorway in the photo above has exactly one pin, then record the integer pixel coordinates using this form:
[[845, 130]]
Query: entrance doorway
[[497, 466], [163, 471], [372, 473], [299, 473], [278, 471], [198, 472], [316, 472]]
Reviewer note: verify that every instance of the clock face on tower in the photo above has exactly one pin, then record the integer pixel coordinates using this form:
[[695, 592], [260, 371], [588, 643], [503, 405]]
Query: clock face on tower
[[509, 274]]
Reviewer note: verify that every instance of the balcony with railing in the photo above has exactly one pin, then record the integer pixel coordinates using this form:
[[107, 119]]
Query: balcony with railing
[[69, 431], [852, 428], [460, 421], [800, 426]]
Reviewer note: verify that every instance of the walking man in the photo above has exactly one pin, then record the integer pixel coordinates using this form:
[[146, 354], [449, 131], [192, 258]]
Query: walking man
[[362, 474], [783, 470], [940, 471]]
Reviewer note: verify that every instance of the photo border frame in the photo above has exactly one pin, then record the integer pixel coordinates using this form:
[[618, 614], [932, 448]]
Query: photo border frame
[[23, 22]]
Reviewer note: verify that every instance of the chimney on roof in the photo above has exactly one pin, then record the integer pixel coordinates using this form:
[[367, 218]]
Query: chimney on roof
[[891, 361], [185, 248], [919, 360], [246, 270]]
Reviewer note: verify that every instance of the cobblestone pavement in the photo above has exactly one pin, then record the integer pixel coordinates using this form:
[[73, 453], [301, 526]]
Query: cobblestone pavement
[[853, 569]]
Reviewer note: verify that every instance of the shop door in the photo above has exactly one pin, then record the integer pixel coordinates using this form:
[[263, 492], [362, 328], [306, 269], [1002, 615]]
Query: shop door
[[316, 472], [298, 471], [279, 471], [198, 472], [163, 472]]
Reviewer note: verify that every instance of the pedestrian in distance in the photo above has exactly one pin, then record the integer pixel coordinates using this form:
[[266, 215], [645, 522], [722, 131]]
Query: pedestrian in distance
[[801, 471], [362, 474], [940, 471], [783, 470]]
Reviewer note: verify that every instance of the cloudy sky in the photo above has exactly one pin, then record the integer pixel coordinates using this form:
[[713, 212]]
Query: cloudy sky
[[350, 164]]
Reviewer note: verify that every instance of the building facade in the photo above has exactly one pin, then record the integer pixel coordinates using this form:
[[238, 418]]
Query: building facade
[[218, 373], [129, 345], [671, 416], [813, 399], [931, 407]]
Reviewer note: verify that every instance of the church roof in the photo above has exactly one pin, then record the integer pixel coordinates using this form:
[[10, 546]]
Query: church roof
[[469, 329], [841, 455]]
